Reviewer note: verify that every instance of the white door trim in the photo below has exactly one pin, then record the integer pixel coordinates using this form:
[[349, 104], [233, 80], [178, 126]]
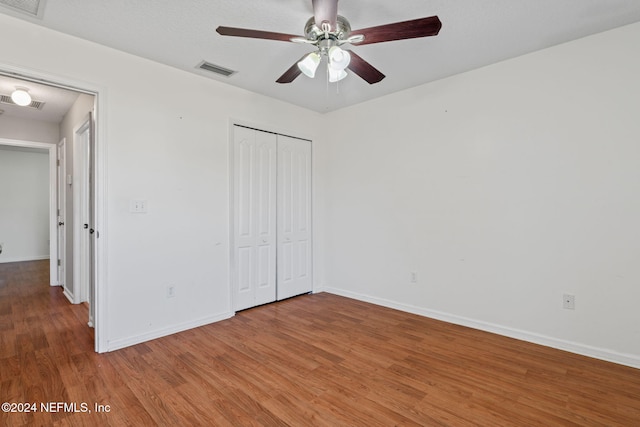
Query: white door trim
[[100, 185], [61, 176], [53, 200]]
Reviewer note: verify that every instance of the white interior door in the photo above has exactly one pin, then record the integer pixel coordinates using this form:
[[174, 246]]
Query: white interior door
[[272, 217], [61, 209], [254, 251], [294, 217], [82, 212]]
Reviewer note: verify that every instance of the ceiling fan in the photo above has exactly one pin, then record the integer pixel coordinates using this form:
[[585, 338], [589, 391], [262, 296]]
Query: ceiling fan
[[328, 31]]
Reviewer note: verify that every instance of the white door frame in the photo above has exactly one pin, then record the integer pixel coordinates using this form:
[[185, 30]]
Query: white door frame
[[99, 186], [53, 202], [61, 172]]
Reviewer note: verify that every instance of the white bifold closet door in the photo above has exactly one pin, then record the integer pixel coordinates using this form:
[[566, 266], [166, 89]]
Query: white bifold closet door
[[294, 217], [272, 217]]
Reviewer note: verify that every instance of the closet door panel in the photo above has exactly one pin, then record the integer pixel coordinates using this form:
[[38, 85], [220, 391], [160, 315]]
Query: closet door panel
[[294, 217], [254, 261]]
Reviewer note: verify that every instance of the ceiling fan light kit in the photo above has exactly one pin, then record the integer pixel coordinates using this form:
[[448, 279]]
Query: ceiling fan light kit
[[310, 64], [338, 59], [336, 75], [327, 31]]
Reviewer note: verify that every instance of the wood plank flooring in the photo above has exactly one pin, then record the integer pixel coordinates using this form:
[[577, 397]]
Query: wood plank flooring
[[314, 360]]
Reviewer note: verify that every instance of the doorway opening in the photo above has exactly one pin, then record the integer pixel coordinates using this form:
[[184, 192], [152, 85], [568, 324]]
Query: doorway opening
[[64, 126]]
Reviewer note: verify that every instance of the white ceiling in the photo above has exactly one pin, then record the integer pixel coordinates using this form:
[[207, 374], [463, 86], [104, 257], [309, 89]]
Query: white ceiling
[[474, 33], [57, 101]]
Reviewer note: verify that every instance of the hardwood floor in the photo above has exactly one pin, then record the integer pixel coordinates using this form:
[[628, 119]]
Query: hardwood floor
[[312, 360]]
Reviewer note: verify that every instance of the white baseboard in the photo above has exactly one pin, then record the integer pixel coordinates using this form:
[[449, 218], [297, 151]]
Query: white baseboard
[[24, 258], [68, 295], [573, 347], [127, 342]]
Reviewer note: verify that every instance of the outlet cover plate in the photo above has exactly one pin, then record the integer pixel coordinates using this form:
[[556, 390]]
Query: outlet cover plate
[[569, 301]]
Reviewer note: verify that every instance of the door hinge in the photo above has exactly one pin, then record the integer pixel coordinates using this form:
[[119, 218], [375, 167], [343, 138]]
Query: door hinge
[[59, 263], [58, 162]]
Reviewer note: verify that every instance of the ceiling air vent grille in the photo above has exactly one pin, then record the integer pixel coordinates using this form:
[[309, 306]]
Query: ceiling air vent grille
[[30, 7], [6, 99], [213, 68]]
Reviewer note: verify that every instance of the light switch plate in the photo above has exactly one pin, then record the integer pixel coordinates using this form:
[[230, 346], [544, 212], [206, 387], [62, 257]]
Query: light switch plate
[[138, 206]]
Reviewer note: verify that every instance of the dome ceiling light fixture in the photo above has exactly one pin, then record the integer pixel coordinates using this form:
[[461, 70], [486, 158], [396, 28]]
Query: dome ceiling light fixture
[[328, 31], [21, 96]]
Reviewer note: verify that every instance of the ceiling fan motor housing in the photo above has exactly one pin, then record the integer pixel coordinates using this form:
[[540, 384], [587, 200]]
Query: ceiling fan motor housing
[[313, 32]]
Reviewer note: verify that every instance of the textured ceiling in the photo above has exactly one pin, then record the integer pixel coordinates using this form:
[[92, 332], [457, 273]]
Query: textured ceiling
[[474, 33]]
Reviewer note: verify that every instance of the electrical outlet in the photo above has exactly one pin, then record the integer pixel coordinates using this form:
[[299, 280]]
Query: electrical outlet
[[171, 291], [568, 301], [414, 277]]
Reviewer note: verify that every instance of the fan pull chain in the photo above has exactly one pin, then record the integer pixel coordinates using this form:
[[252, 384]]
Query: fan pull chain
[[327, 89]]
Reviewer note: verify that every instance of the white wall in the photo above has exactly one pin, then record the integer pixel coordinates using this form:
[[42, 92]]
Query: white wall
[[24, 204], [166, 138], [28, 130], [503, 188]]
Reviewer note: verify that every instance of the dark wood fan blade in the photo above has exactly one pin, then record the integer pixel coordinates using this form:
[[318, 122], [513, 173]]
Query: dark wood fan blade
[[254, 34], [365, 70], [325, 10], [291, 74], [422, 27]]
